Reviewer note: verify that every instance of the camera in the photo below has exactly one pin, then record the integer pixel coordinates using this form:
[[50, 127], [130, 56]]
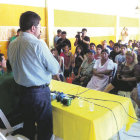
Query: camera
[[78, 35]]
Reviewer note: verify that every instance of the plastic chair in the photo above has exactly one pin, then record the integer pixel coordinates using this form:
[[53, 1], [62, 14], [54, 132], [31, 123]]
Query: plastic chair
[[111, 77], [5, 134]]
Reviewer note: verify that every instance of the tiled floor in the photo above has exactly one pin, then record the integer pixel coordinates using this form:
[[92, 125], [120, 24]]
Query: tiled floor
[[133, 133]]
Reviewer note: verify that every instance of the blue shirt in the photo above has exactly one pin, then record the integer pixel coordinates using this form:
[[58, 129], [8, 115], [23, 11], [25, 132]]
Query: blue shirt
[[31, 61], [120, 58]]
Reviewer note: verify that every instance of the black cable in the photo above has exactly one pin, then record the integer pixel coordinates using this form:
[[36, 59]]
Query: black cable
[[108, 100], [82, 92], [109, 110], [116, 102]]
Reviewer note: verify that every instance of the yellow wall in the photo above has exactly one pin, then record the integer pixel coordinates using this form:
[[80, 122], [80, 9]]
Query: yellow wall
[[70, 19], [78, 19], [103, 25], [129, 22], [9, 15]]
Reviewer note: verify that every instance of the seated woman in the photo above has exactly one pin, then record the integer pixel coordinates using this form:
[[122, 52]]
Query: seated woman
[[136, 91], [85, 70], [67, 60], [101, 72], [125, 79], [59, 76], [78, 59]]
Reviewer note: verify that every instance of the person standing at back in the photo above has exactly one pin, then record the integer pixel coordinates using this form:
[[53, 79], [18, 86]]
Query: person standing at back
[[33, 66]]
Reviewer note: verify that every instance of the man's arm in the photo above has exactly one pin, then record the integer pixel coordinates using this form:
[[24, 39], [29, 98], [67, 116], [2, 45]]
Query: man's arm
[[47, 59]]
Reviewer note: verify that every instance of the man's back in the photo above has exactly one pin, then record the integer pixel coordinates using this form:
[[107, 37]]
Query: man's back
[[31, 61]]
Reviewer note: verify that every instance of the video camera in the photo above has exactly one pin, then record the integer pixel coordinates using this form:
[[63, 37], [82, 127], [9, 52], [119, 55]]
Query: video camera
[[78, 35]]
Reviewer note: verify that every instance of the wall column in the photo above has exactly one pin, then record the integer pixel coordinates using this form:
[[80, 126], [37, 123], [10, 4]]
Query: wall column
[[117, 28], [50, 23]]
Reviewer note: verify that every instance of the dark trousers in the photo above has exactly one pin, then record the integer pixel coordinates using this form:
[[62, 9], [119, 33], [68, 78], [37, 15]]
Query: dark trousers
[[36, 108]]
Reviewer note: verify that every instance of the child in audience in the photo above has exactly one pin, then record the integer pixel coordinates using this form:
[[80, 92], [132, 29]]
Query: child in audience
[[98, 52], [129, 47], [121, 57], [78, 59], [115, 52], [92, 48], [111, 43], [67, 61], [59, 76]]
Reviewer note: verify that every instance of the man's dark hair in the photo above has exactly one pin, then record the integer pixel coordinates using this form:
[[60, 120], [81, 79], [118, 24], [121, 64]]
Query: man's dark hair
[[110, 41], [105, 50], [59, 31], [124, 45], [1, 54], [64, 32], [84, 29], [99, 46], [92, 44], [117, 45], [28, 19], [18, 30]]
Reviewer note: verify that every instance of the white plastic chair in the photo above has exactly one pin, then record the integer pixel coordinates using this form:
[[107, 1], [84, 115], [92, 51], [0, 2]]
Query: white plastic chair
[[112, 76], [5, 133]]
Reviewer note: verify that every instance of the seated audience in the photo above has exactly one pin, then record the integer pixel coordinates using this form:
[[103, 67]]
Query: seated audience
[[2, 64], [60, 42], [101, 72], [125, 79], [58, 36], [92, 48], [78, 59], [85, 71], [120, 58], [98, 51], [67, 60], [59, 76], [115, 52]]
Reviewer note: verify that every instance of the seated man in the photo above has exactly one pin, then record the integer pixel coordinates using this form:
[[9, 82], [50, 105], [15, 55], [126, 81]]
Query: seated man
[[120, 58], [115, 52], [85, 71], [2, 64]]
